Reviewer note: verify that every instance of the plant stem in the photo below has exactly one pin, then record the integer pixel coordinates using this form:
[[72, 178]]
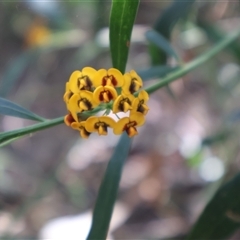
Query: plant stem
[[195, 63], [6, 136]]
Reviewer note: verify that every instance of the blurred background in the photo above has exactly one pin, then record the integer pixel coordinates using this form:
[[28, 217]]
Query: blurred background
[[187, 148]]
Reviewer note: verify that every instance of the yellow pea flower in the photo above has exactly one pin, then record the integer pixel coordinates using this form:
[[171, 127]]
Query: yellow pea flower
[[80, 126], [123, 103], [68, 93], [104, 94], [99, 124], [82, 80], [139, 103], [111, 77], [80, 102], [132, 82], [129, 124]]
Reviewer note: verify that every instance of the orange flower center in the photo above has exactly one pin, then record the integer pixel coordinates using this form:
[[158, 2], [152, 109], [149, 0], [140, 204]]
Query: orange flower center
[[84, 104], [134, 86], [101, 127], [84, 83], [125, 105], [68, 119], [105, 96], [109, 80]]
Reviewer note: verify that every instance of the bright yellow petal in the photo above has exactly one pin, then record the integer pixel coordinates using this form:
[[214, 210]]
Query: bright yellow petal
[[87, 78], [73, 107], [126, 106], [67, 95], [137, 117], [112, 92], [134, 75], [143, 95], [127, 83], [135, 104], [102, 130], [132, 82], [67, 87], [80, 126], [76, 125], [117, 77], [97, 94], [120, 126], [98, 77], [89, 71], [108, 121], [83, 105], [90, 124], [84, 133], [104, 94], [143, 109], [89, 97], [116, 107], [74, 81]]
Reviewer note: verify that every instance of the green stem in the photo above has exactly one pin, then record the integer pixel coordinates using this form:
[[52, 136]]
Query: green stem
[[6, 136], [195, 63]]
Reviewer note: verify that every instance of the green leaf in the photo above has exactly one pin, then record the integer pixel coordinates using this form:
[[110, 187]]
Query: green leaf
[[216, 34], [8, 137], [15, 70], [165, 24], [221, 217], [108, 190], [11, 109], [203, 58], [122, 18], [155, 72], [161, 43]]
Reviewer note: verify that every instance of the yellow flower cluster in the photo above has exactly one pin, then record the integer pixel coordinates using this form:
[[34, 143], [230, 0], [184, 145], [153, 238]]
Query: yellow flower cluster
[[89, 88]]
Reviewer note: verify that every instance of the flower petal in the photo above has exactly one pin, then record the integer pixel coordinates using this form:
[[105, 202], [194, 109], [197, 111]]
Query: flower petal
[[108, 121], [104, 94], [116, 104], [120, 125], [67, 95], [99, 124], [73, 106], [74, 81], [123, 103], [132, 82], [89, 71], [88, 97], [143, 95], [90, 124], [137, 117], [100, 74], [81, 127], [117, 77]]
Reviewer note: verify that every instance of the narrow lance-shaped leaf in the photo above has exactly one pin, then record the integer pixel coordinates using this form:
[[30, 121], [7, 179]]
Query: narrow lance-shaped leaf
[[221, 217], [108, 190], [15, 70], [165, 24], [121, 23], [12, 109], [162, 43]]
